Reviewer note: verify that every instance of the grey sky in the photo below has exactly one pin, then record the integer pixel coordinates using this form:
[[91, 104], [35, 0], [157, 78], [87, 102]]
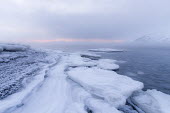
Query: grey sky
[[28, 20]]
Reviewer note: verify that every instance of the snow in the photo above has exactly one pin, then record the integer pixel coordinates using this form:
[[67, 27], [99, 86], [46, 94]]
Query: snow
[[106, 50], [16, 99], [105, 84], [52, 96], [15, 66], [153, 39], [13, 47], [108, 64], [152, 101], [72, 83], [75, 108], [27, 80]]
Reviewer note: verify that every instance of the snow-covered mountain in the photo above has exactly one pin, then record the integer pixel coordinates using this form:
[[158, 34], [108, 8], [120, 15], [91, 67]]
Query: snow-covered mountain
[[153, 39]]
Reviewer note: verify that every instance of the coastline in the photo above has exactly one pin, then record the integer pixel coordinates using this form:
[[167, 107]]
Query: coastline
[[86, 85]]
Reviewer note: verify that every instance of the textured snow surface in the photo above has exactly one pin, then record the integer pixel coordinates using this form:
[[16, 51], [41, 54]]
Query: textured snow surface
[[152, 101], [16, 66], [70, 83], [106, 50]]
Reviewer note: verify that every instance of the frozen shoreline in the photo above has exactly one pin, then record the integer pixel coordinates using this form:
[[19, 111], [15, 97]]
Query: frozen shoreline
[[81, 84]]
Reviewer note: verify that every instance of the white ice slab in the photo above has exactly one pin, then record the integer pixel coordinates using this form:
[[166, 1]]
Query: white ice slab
[[77, 60], [83, 101], [152, 101], [100, 106], [105, 84]]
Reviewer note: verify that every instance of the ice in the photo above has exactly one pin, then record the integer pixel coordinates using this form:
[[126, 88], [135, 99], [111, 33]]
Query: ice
[[84, 101], [90, 56], [140, 72], [106, 50], [152, 101], [76, 60], [127, 109], [75, 108], [51, 97], [18, 84], [131, 74], [16, 99], [15, 66], [72, 83], [105, 84], [13, 47], [77, 100], [100, 106], [108, 64]]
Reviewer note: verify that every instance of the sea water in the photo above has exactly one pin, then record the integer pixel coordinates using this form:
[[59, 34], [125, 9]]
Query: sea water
[[148, 65]]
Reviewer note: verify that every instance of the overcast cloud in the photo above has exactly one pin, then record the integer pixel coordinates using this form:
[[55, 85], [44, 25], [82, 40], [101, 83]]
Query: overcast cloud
[[28, 20]]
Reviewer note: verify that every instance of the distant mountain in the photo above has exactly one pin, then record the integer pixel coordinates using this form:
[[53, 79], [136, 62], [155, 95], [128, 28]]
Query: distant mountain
[[154, 39]]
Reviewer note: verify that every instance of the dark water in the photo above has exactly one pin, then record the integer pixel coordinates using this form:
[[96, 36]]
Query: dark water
[[150, 66]]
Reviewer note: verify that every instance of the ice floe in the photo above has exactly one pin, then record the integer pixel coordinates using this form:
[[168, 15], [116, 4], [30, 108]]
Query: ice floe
[[106, 50], [110, 86], [100, 106], [85, 102], [108, 64], [76, 60], [140, 72], [90, 56], [151, 101]]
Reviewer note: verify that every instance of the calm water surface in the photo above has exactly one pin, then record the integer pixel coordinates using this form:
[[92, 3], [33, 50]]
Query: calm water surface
[[150, 66]]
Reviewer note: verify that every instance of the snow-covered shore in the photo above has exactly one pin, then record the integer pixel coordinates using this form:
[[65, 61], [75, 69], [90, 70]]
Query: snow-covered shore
[[13, 47], [77, 83]]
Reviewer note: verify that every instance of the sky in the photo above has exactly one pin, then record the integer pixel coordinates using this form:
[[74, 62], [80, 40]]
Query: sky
[[99, 21]]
